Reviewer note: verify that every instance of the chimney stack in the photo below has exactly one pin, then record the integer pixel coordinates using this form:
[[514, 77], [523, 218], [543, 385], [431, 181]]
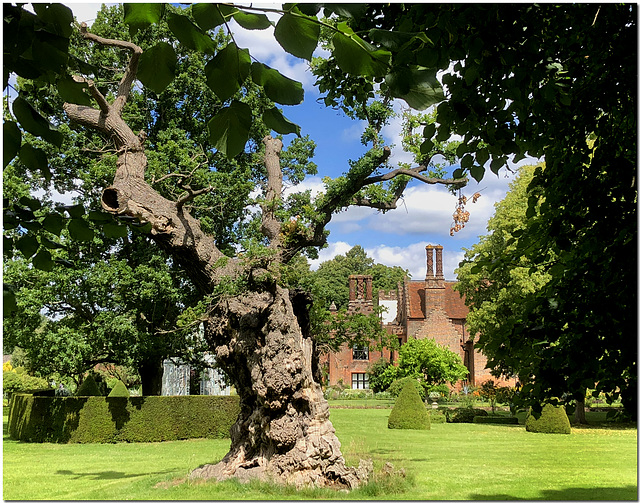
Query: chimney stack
[[429, 249], [439, 273], [434, 280]]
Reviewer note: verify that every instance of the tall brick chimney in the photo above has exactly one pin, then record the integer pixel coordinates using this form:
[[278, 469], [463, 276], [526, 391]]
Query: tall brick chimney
[[437, 280], [361, 293]]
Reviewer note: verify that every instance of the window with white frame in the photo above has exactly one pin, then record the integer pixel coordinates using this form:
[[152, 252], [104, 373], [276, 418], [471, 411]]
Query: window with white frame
[[359, 381]]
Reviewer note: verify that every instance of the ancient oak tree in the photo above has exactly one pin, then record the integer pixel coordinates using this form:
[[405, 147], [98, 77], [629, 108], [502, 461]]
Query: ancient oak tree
[[258, 330]]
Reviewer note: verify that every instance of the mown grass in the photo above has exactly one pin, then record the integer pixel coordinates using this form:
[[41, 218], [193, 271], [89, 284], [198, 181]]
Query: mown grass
[[448, 462]]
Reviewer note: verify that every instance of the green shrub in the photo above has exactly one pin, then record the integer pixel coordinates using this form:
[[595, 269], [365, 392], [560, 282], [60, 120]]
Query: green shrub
[[397, 386], [463, 414], [119, 389], [437, 417], [94, 419], [409, 411], [15, 382], [88, 387], [552, 420], [495, 420]]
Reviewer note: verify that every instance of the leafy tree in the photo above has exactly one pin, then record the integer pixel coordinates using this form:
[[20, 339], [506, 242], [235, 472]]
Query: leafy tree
[[331, 280], [520, 73], [429, 362], [421, 359]]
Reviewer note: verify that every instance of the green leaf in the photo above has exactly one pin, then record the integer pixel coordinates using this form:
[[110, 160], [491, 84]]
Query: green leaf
[[429, 130], [11, 141], [189, 34], [477, 173], [43, 260], [57, 15], [229, 128], [426, 146], [72, 91], [207, 15], [115, 231], [51, 245], [496, 164], [391, 40], [9, 304], [482, 156], [35, 159], [157, 67], [458, 173], [54, 223], [75, 211], [141, 15], [356, 57], [28, 245], [252, 21], [297, 34], [276, 86], [351, 10], [34, 123], [419, 88], [80, 230], [227, 71], [274, 119], [99, 216], [466, 162], [308, 9], [32, 203]]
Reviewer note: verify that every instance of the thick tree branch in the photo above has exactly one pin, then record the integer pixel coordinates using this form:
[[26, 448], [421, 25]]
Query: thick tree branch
[[316, 235], [172, 227], [270, 225]]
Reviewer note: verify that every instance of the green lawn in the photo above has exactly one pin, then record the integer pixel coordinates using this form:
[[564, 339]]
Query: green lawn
[[449, 462]]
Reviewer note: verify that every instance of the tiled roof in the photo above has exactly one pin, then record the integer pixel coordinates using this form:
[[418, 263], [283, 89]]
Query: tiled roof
[[415, 299], [453, 303]]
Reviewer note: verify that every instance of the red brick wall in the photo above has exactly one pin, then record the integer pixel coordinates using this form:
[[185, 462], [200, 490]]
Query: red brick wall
[[341, 365]]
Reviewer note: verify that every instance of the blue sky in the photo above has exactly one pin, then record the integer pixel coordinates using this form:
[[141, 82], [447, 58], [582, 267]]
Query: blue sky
[[397, 237]]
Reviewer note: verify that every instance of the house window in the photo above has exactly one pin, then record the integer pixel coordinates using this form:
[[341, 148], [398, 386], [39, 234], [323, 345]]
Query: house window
[[359, 381], [360, 353]]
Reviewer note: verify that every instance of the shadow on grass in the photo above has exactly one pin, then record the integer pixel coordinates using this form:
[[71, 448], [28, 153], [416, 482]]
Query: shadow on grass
[[107, 475], [572, 494]]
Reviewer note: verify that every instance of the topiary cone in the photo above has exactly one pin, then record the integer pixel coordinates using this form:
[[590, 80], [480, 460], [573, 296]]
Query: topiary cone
[[119, 389], [88, 387], [552, 420], [409, 412]]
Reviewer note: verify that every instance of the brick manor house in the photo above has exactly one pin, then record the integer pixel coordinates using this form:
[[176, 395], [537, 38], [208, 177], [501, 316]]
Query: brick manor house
[[420, 309]]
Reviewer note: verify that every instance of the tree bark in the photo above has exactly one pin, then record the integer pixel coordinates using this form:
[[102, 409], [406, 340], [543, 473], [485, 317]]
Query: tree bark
[[579, 415], [151, 371], [283, 432]]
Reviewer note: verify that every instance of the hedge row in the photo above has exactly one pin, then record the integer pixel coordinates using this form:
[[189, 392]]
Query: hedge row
[[96, 419], [495, 420]]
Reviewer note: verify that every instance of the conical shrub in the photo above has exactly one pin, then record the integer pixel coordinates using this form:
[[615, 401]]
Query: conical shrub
[[88, 387], [119, 389], [553, 419], [409, 411]]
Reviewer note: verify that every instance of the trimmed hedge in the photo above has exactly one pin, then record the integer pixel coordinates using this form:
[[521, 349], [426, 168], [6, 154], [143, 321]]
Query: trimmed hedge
[[463, 414], [495, 420], [119, 389], [409, 412], [89, 387], [552, 420], [119, 419]]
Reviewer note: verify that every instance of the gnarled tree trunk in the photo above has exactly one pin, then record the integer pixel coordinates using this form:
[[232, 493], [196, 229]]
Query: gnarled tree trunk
[[283, 432]]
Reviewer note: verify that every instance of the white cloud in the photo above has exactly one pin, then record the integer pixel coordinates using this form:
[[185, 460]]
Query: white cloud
[[85, 12], [413, 257], [328, 253]]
